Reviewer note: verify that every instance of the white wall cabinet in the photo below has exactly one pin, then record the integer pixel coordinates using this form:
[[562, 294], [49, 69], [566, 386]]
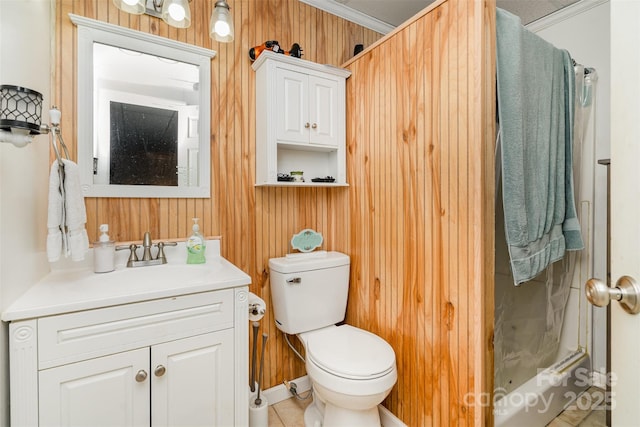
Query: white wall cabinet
[[300, 120], [309, 114]]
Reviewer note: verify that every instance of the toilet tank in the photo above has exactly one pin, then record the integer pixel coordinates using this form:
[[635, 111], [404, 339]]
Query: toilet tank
[[309, 290]]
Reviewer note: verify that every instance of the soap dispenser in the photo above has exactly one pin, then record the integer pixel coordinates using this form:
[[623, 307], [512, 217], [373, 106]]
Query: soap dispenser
[[195, 245], [104, 252]]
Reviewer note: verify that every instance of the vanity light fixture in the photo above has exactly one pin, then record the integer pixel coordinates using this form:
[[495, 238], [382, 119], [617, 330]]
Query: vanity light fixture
[[174, 12], [178, 14], [221, 25]]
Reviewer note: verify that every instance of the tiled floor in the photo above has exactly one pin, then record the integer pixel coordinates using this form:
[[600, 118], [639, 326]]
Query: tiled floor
[[587, 411], [290, 412]]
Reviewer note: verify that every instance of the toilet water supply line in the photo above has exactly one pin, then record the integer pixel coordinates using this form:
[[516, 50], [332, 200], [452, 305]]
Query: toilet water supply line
[[286, 338], [290, 385], [256, 311]]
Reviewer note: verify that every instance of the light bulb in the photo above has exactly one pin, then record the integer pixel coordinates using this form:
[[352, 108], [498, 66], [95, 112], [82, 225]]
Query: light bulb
[[221, 23], [136, 7], [176, 12], [222, 28]]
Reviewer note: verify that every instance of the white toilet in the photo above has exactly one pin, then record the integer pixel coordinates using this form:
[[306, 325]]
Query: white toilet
[[351, 370]]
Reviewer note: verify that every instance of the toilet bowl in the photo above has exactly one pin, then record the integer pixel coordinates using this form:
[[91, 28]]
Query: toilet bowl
[[351, 370]]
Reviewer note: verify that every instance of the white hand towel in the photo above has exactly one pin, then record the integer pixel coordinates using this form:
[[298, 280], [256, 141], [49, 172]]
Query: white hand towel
[[67, 214], [54, 219], [75, 212], [78, 244], [54, 244]]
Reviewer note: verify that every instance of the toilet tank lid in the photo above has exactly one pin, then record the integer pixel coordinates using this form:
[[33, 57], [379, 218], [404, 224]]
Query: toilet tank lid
[[298, 262]]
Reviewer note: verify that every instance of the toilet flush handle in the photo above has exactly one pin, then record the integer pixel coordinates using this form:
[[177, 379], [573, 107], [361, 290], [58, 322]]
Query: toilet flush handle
[[294, 280]]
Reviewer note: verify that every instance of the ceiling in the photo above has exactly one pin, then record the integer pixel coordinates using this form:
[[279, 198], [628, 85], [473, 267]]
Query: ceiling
[[531, 10], [384, 15]]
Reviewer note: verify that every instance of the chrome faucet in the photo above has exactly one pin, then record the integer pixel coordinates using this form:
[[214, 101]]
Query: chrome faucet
[[146, 245], [147, 258]]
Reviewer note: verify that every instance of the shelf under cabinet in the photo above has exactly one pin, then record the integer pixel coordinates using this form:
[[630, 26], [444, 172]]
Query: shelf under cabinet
[[302, 184], [317, 148]]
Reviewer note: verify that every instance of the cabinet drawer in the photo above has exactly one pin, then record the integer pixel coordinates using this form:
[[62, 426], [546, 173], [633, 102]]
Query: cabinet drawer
[[78, 336]]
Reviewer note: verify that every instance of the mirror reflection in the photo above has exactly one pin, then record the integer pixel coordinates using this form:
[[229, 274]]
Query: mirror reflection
[[143, 113], [146, 111]]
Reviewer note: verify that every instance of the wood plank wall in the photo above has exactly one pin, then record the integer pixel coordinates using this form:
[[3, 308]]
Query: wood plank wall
[[418, 216], [255, 223], [420, 114]]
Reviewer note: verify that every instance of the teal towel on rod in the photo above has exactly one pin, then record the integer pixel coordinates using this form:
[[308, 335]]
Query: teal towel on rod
[[536, 91]]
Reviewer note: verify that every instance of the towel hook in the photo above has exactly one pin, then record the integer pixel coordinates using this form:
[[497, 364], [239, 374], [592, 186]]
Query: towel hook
[[55, 115]]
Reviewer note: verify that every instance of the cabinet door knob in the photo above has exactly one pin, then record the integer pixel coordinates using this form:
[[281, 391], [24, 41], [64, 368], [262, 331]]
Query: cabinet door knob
[[141, 375], [306, 125], [314, 126], [159, 371]]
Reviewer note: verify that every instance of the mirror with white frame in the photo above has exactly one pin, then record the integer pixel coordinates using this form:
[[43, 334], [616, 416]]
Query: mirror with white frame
[[143, 113]]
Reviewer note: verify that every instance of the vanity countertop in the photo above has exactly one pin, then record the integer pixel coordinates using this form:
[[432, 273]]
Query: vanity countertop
[[74, 289]]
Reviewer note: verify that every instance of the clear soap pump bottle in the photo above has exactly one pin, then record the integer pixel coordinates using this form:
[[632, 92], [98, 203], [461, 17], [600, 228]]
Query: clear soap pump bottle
[[104, 252], [195, 245]]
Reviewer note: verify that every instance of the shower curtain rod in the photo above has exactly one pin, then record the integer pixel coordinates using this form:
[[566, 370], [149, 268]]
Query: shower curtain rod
[[587, 70]]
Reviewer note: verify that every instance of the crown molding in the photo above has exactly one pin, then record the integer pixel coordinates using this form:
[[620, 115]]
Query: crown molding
[[563, 14], [352, 15]]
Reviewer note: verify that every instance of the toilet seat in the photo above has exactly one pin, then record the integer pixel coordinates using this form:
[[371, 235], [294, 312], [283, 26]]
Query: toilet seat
[[350, 353]]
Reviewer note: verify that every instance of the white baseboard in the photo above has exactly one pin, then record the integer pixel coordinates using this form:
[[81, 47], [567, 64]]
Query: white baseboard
[[279, 393], [387, 419]]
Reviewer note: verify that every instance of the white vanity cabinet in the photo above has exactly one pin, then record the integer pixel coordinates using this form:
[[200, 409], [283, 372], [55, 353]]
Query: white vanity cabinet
[[82, 354], [176, 383], [171, 382], [300, 120], [96, 389]]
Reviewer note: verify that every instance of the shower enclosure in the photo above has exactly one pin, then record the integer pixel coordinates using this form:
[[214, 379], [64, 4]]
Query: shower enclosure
[[542, 327]]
